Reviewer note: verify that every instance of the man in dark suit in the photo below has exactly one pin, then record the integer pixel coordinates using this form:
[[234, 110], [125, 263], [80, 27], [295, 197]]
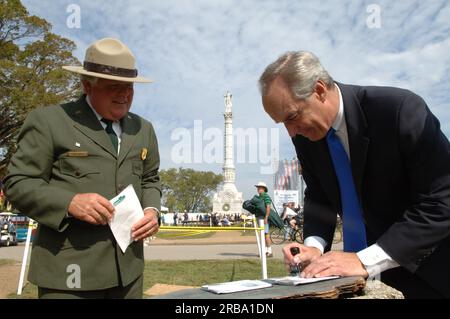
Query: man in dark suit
[[377, 157]]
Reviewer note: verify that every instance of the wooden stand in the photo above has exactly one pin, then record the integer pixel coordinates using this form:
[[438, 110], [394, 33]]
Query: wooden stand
[[330, 289]]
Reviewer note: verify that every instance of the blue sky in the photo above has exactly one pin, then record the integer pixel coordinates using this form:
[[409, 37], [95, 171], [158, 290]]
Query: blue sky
[[197, 50]]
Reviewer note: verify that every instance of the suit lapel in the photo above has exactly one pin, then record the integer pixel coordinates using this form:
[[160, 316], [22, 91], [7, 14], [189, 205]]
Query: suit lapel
[[130, 127], [356, 128], [87, 123]]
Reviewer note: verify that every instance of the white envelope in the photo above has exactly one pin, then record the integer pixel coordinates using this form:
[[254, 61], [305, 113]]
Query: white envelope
[[236, 286], [128, 211]]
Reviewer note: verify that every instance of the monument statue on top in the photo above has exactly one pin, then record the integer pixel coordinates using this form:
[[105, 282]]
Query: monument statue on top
[[228, 200]]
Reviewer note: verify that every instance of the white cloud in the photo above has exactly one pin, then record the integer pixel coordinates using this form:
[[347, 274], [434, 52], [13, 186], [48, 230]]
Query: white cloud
[[196, 50]]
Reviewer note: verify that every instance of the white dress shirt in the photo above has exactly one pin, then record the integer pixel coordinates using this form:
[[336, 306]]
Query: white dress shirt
[[374, 258], [117, 129], [115, 125]]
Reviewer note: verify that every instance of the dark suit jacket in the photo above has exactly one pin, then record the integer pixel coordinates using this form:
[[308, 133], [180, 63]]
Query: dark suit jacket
[[400, 161], [62, 151]]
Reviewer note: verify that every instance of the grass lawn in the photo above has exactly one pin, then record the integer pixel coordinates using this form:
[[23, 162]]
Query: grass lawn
[[195, 272]]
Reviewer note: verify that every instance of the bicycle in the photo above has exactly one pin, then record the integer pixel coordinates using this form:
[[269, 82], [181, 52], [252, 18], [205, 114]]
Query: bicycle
[[280, 235]]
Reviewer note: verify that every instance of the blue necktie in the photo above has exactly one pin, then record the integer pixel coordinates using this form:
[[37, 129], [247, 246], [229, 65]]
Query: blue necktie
[[353, 223]]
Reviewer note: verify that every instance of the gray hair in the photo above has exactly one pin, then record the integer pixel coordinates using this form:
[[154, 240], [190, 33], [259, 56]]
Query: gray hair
[[300, 70], [87, 78]]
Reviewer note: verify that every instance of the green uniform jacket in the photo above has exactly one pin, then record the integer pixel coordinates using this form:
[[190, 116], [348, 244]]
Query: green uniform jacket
[[63, 150]]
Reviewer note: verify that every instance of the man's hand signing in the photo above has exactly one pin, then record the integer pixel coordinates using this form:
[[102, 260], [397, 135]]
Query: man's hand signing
[[335, 263], [305, 257]]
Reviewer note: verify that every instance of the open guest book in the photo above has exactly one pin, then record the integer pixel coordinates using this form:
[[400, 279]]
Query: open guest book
[[246, 285], [296, 280]]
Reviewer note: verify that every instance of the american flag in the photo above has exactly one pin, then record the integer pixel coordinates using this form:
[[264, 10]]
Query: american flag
[[287, 175]]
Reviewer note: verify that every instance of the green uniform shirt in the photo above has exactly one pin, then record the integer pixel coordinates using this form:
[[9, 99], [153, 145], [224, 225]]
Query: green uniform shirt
[[266, 198], [62, 151]]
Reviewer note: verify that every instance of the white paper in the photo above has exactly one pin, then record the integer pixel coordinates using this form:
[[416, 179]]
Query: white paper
[[296, 280], [128, 211], [236, 286]]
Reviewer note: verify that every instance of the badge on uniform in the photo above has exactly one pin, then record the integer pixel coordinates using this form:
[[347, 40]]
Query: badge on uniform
[[144, 154]]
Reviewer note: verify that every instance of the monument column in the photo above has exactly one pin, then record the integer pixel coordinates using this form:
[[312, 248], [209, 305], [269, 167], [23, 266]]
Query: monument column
[[228, 199], [228, 166]]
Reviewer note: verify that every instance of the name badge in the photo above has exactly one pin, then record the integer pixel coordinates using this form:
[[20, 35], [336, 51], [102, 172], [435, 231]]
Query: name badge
[[77, 154]]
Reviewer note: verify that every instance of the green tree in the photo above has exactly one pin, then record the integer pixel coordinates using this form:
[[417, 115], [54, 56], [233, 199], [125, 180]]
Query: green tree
[[187, 189], [30, 71]]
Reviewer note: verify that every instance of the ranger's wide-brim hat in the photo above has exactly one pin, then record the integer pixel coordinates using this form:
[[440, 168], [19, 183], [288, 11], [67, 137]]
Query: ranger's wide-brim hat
[[109, 59], [262, 184]]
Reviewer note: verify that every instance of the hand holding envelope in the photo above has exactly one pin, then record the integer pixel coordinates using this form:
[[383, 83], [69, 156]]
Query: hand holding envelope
[[147, 226], [128, 212]]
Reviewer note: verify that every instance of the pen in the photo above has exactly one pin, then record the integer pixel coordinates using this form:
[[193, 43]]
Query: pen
[[295, 269]]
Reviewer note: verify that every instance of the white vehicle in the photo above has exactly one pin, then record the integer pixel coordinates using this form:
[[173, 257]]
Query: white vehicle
[[8, 234]]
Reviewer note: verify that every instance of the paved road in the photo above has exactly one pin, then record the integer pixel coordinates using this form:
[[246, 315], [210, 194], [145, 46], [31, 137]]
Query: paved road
[[13, 252], [179, 252], [171, 252], [203, 252]]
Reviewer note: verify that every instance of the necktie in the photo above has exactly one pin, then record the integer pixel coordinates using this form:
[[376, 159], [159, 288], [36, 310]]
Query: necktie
[[112, 135], [353, 223]]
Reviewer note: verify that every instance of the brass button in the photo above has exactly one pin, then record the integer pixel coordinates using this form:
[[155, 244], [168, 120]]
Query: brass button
[[77, 173]]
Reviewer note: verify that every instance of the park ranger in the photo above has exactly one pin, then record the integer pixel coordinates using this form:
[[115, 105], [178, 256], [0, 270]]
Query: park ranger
[[71, 159]]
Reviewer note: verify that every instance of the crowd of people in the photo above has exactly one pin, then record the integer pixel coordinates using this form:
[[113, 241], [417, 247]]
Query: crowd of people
[[291, 215], [214, 219]]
